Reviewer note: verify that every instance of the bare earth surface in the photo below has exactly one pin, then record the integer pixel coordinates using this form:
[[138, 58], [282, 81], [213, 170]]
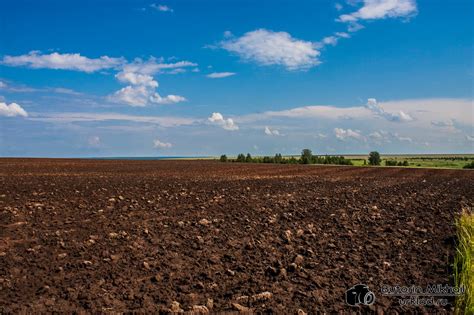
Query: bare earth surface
[[114, 236]]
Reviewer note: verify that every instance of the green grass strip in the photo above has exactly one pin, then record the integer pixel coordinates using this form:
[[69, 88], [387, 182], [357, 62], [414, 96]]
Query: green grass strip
[[464, 263]]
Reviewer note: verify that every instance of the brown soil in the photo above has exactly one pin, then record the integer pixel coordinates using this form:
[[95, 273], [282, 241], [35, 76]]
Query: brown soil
[[115, 236]]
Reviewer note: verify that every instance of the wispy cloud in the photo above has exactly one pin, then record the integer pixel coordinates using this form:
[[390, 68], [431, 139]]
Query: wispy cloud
[[161, 7], [155, 65], [378, 110], [15, 88], [76, 62], [163, 121], [220, 75]]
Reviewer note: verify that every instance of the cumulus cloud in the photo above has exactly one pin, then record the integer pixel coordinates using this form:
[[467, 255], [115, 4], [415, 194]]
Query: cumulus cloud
[[161, 7], [55, 60], [227, 124], [271, 132], [12, 110], [220, 75], [2, 85], [157, 144], [274, 48], [141, 91], [378, 110], [169, 99], [136, 79], [343, 134], [381, 9]]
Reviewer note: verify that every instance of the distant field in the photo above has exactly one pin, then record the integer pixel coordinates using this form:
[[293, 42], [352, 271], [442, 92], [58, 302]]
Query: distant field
[[455, 161], [429, 160]]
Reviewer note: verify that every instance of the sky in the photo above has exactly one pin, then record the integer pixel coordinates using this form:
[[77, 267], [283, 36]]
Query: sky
[[200, 78]]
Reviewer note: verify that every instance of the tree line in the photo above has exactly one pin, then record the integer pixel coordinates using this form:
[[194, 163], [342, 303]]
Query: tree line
[[306, 157]]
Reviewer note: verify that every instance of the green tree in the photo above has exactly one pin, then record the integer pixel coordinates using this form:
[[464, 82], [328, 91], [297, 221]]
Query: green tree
[[278, 158], [306, 156], [469, 165], [374, 158], [241, 158], [248, 158], [223, 158]]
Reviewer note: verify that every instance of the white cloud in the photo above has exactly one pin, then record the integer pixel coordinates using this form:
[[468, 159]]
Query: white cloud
[[219, 75], [76, 62], [344, 134], [469, 138], [141, 91], [12, 110], [154, 65], [271, 132], [94, 141], [381, 9], [136, 79], [227, 124], [163, 121], [442, 123], [338, 6], [161, 7], [330, 40], [169, 99], [132, 95], [176, 71], [378, 110], [422, 111], [354, 27], [387, 137], [157, 144], [274, 48], [342, 35], [377, 136], [61, 90], [2, 85], [401, 138]]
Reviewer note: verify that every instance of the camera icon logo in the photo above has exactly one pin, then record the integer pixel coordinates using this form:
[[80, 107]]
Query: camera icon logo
[[360, 294]]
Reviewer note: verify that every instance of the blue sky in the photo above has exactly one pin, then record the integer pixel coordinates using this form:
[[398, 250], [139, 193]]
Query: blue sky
[[145, 78]]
